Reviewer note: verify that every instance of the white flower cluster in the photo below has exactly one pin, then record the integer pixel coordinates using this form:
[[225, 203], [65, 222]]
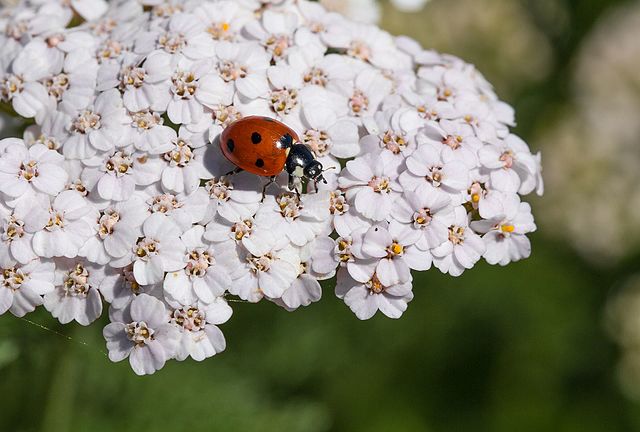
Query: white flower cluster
[[118, 192]]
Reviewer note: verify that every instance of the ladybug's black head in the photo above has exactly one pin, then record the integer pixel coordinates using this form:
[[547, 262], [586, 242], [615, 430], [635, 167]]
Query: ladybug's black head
[[313, 171]]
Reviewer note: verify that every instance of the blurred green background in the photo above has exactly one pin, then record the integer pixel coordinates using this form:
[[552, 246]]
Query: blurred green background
[[522, 348]]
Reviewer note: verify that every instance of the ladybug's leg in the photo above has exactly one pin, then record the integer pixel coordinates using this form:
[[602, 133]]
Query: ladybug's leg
[[271, 181], [292, 185], [234, 171]]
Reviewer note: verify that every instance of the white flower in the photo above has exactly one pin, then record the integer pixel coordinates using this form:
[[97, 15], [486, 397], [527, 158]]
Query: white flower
[[97, 127], [51, 133], [504, 235], [267, 274], [200, 338], [15, 240], [145, 86], [119, 287], [73, 83], [512, 167], [233, 197], [21, 286], [243, 67], [159, 250], [117, 228], [224, 20], [146, 336], [149, 133], [462, 249], [306, 288], [371, 184], [275, 32], [184, 166], [76, 296], [366, 297], [64, 227], [392, 130], [394, 247], [36, 169], [298, 219], [114, 175], [202, 278], [184, 35]]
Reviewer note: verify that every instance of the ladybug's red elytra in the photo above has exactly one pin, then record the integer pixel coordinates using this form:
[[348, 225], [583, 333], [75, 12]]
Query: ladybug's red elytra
[[266, 147]]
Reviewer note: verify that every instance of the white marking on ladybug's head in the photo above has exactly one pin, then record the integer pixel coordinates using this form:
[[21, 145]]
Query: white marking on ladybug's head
[[298, 172]]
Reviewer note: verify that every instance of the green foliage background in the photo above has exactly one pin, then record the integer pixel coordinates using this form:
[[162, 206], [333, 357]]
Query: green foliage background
[[520, 348]]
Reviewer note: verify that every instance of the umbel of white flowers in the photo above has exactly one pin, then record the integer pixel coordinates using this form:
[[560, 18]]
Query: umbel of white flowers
[[117, 194]]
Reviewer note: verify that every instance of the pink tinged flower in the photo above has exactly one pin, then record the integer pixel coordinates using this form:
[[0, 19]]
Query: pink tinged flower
[[370, 183], [64, 227], [203, 278], [462, 249], [119, 287], [300, 219], [160, 250], [117, 228], [76, 296], [22, 286], [15, 240], [505, 235], [36, 169], [364, 94], [427, 211], [512, 167], [268, 274], [426, 166], [243, 67], [394, 247], [146, 336], [368, 297], [459, 140], [200, 338], [96, 128]]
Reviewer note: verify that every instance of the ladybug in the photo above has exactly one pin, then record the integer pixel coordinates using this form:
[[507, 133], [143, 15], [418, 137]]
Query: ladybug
[[266, 147]]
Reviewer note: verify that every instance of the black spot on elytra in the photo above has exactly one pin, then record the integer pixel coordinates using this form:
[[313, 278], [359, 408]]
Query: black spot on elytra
[[230, 145], [269, 119], [259, 163], [256, 138]]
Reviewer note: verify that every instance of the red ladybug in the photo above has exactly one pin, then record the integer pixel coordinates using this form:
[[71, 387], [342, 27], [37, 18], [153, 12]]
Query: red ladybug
[[264, 146]]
